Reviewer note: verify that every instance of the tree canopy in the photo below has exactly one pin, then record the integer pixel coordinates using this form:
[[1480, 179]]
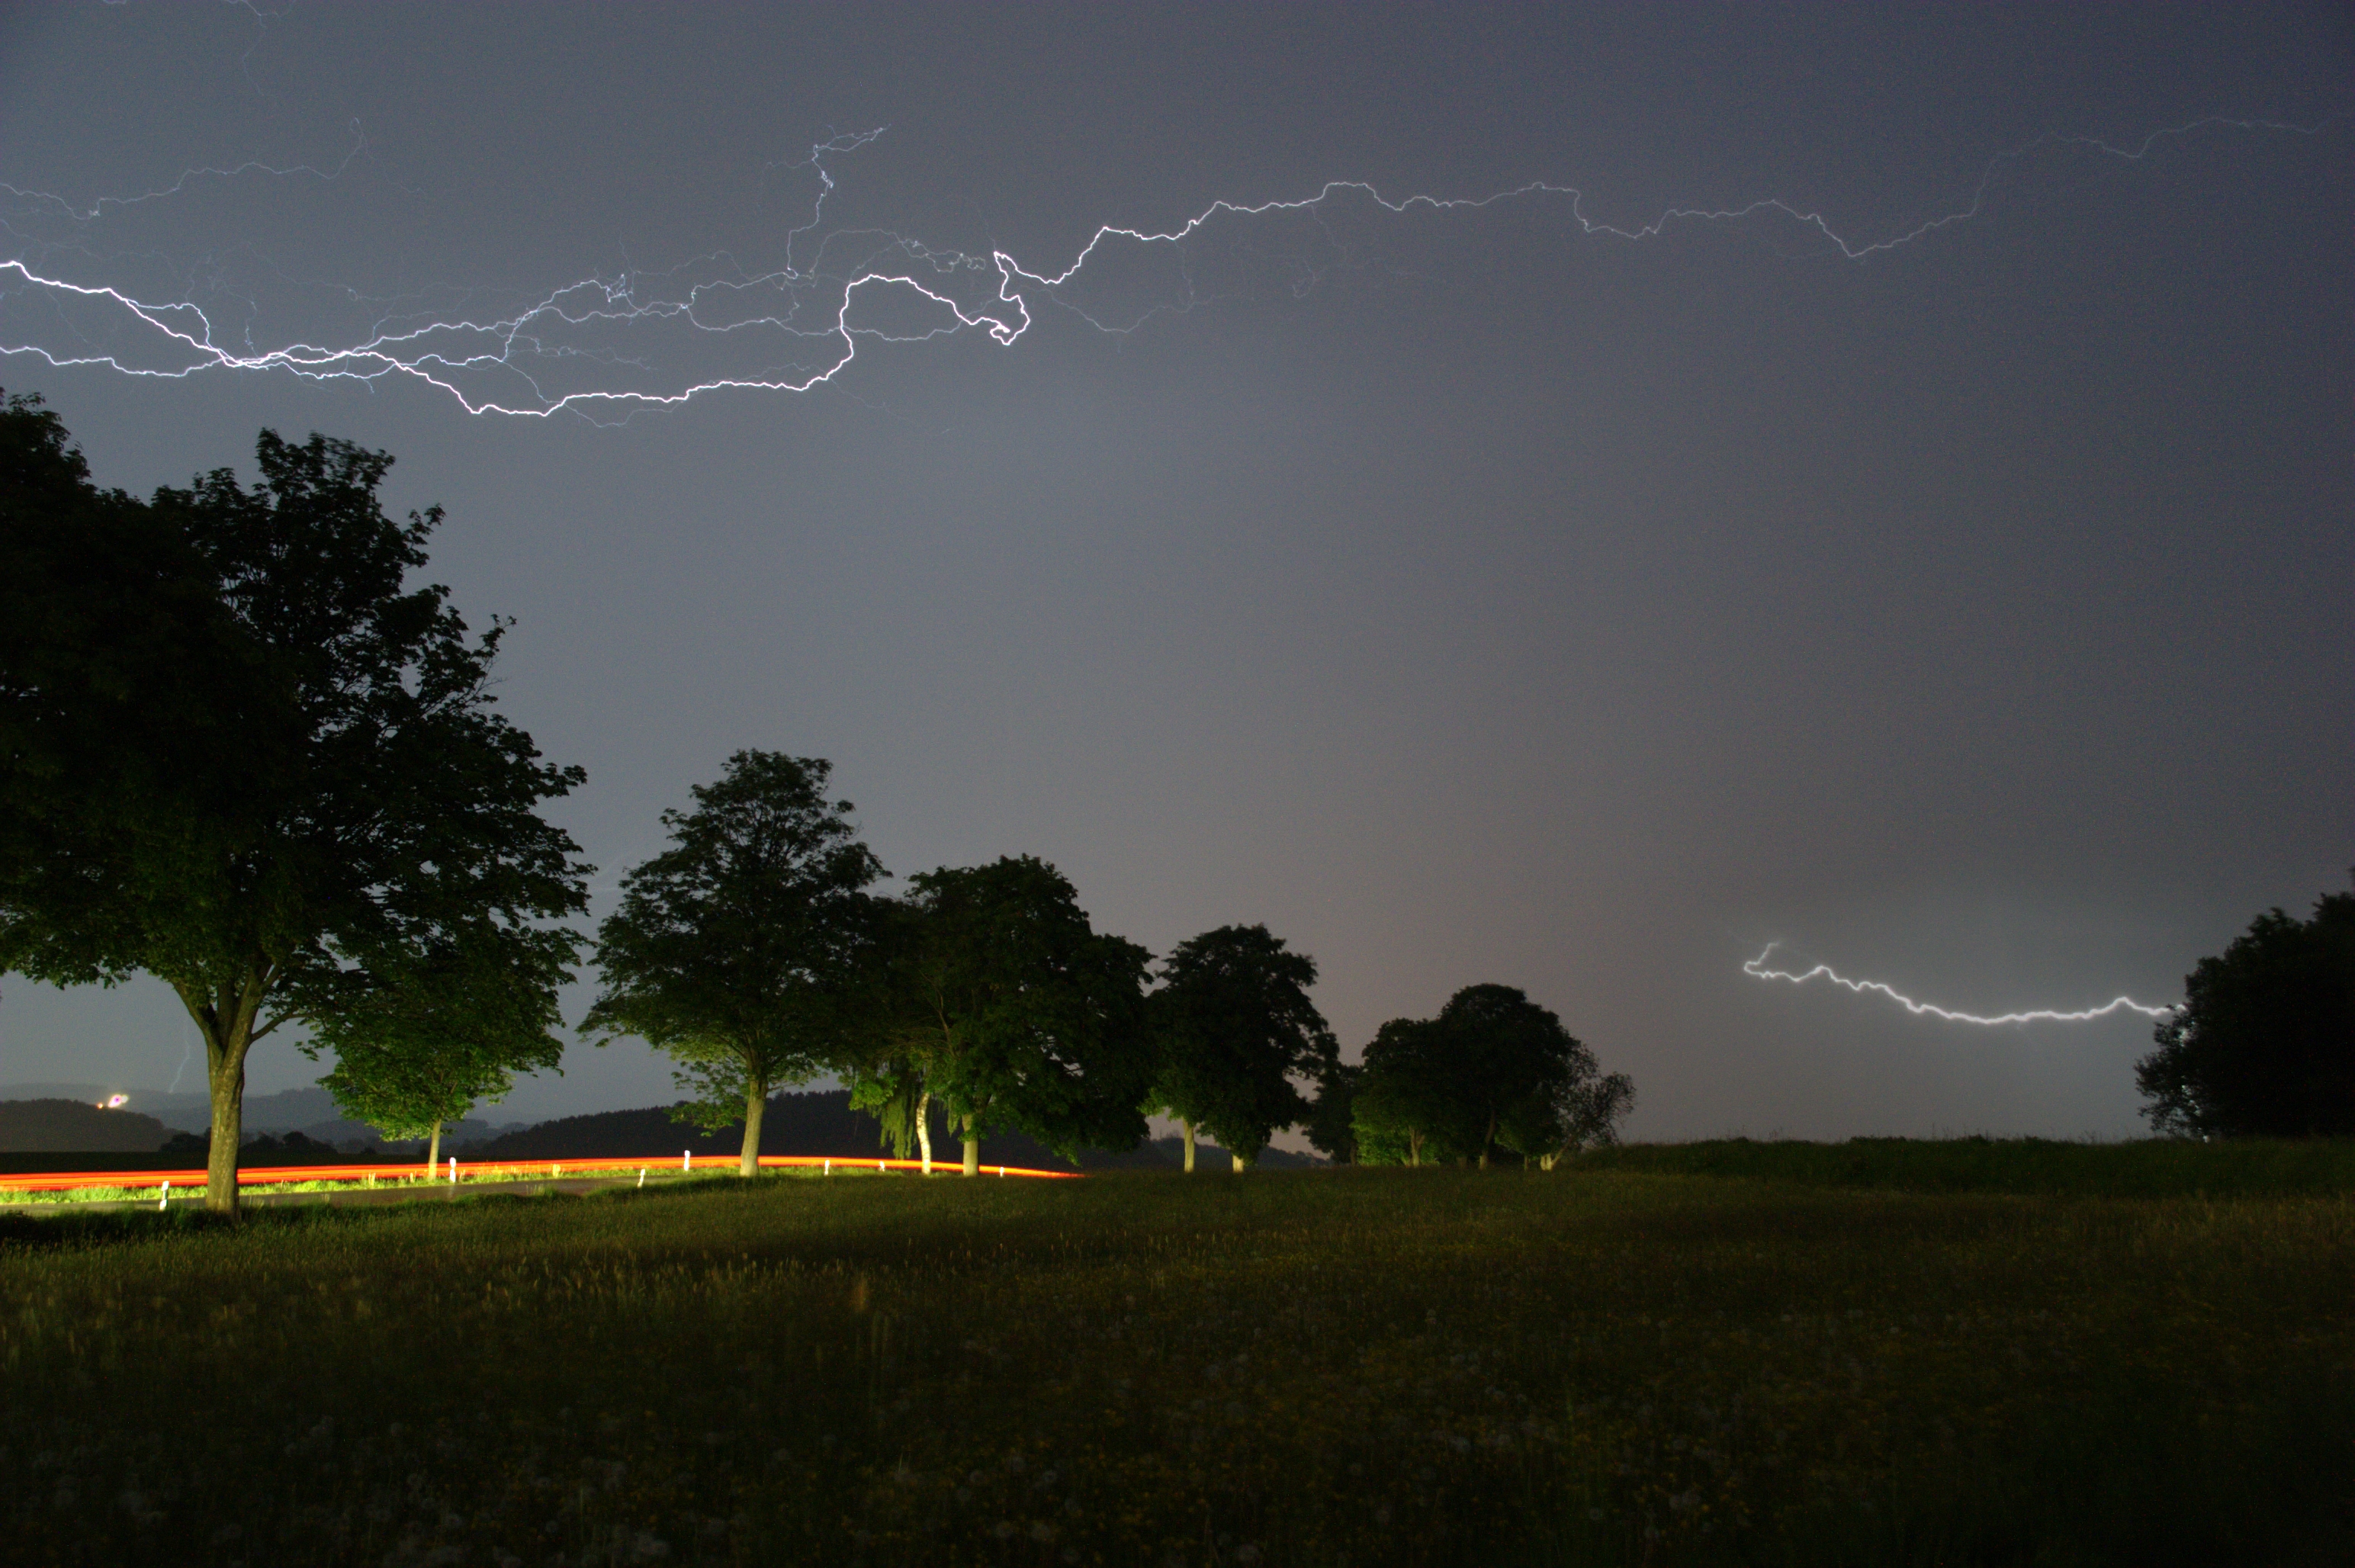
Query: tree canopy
[[740, 950], [1011, 1010], [1331, 1121], [1492, 1069], [1233, 1026], [2264, 1044], [418, 1043], [309, 776]]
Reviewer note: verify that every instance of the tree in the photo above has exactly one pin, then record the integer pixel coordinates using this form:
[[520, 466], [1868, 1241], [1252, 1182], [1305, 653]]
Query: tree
[[345, 790], [1582, 1106], [2264, 1043], [740, 950], [113, 704], [1493, 1069], [1331, 1123], [1405, 1105], [1014, 1013], [418, 1040], [1232, 1024]]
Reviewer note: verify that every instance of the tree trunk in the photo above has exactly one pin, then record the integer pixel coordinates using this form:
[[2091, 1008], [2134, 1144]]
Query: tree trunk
[[924, 1128], [227, 1083], [1487, 1139], [433, 1149], [1241, 1164], [224, 1019], [756, 1100], [972, 1148], [1189, 1147], [1413, 1147]]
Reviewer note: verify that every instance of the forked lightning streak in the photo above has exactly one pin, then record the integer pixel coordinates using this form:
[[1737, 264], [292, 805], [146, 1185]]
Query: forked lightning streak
[[1756, 969]]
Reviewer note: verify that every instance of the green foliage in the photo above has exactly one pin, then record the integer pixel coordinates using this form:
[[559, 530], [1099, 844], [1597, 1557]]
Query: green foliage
[[418, 1043], [2264, 1044], [310, 776], [740, 950], [892, 1090], [1233, 1026], [1016, 1013], [1406, 1107], [1376, 1367]]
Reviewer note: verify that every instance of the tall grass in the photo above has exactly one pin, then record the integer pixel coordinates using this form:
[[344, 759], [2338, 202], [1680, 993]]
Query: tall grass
[[1349, 1367]]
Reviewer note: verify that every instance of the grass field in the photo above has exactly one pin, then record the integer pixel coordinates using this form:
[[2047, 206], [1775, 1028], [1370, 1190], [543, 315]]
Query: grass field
[[1349, 1367]]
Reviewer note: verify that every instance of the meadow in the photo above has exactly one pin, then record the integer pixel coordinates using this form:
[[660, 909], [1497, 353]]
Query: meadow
[[1607, 1365]]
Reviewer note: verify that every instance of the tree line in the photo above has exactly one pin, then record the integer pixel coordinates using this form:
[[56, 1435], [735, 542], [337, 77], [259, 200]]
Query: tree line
[[242, 752]]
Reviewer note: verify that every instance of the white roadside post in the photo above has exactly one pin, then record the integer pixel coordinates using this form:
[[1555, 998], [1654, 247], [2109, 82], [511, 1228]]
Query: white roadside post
[[686, 1159], [453, 1170], [642, 1176], [166, 1201]]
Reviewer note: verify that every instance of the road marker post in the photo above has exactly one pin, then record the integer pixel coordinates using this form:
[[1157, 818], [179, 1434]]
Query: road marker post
[[642, 1176], [453, 1170], [166, 1201], [686, 1159]]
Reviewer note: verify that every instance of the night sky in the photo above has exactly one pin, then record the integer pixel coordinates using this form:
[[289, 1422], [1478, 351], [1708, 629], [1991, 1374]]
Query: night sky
[[1469, 594]]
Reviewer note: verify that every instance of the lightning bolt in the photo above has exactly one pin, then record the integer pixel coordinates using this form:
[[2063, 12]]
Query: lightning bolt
[[1756, 969], [793, 328]]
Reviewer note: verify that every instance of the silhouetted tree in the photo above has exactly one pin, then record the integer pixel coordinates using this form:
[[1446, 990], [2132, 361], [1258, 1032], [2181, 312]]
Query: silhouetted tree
[[1330, 1122], [1493, 1069], [740, 950], [1014, 1013], [2264, 1044], [1580, 1107], [1233, 1026], [309, 777]]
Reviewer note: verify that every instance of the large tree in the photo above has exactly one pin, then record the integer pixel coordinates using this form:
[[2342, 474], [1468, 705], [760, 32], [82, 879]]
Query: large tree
[[2264, 1044], [419, 1037], [1406, 1108], [1232, 1027], [1013, 1011], [740, 950], [311, 775], [1493, 1069]]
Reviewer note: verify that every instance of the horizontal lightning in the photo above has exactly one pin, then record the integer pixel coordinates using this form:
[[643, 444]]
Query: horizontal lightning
[[791, 329], [1756, 969]]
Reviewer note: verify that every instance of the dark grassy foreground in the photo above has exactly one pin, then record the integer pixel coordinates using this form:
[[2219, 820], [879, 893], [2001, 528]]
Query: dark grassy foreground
[[2145, 1167], [1364, 1366]]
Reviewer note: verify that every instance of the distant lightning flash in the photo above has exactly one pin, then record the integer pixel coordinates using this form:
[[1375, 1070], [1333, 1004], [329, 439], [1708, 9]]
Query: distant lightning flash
[[1756, 969], [608, 345]]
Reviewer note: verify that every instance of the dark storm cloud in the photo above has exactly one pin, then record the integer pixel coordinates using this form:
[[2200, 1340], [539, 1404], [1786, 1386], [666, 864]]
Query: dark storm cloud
[[1498, 603]]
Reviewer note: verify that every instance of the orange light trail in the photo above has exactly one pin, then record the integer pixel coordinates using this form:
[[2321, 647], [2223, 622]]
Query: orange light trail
[[509, 1169]]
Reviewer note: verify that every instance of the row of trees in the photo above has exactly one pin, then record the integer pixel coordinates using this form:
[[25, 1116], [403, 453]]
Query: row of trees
[[755, 950], [240, 753]]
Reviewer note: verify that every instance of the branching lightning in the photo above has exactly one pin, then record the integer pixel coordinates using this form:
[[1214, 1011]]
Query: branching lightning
[[602, 346], [1756, 969]]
